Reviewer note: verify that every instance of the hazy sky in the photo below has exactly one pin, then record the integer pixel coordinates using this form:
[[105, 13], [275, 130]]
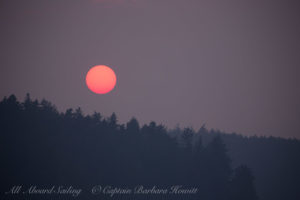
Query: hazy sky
[[233, 65]]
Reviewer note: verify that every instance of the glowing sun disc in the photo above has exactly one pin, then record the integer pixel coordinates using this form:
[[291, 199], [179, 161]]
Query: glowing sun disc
[[101, 79]]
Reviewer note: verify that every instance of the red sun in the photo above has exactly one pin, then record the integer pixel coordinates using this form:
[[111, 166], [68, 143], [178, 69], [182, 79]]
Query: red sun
[[101, 79]]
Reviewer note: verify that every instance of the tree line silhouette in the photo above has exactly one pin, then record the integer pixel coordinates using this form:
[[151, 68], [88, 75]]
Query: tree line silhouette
[[41, 146]]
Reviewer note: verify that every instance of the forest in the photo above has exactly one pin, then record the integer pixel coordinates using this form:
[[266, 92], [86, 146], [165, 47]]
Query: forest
[[44, 147]]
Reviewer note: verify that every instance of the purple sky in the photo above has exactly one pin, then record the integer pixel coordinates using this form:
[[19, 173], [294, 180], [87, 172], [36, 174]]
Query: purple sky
[[233, 65]]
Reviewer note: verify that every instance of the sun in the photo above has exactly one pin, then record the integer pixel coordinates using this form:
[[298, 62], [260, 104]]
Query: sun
[[101, 79]]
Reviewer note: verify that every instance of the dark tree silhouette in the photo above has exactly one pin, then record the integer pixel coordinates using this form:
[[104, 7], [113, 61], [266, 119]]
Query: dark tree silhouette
[[40, 145], [133, 127], [242, 184]]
